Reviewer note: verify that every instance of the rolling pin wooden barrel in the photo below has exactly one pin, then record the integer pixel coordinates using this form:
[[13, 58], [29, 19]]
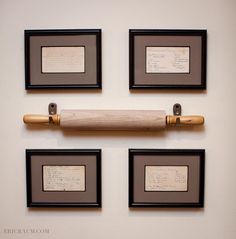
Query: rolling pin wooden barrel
[[113, 119]]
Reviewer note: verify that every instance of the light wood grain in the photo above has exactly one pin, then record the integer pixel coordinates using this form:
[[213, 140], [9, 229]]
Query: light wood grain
[[113, 119]]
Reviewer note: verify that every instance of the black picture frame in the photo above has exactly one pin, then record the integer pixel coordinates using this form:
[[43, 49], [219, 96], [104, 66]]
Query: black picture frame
[[195, 40], [36, 159], [194, 159], [89, 39]]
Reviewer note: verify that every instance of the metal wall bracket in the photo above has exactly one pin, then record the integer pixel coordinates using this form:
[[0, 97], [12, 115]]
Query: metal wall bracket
[[52, 108], [177, 109]]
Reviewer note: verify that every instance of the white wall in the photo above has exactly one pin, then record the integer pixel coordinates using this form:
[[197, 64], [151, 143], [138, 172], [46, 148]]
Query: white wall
[[217, 220]]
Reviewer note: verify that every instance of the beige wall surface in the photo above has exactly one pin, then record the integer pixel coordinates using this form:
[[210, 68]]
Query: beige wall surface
[[115, 220]]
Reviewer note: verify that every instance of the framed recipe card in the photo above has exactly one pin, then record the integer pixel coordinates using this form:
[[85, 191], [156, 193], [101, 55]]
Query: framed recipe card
[[166, 178], [62, 59], [167, 59], [63, 178]]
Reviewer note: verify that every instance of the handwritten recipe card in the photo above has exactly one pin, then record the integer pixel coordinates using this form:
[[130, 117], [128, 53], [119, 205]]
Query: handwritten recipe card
[[167, 59], [166, 178], [63, 59], [64, 178]]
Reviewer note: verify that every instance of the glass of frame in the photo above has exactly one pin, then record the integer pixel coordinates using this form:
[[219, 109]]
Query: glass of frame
[[63, 59], [63, 178], [167, 59], [166, 177]]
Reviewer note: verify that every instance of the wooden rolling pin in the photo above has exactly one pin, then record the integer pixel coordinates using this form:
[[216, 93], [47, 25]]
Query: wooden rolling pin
[[113, 119]]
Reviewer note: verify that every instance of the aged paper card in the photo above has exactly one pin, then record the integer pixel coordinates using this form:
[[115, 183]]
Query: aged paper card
[[64, 178], [63, 59], [166, 178], [167, 59]]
